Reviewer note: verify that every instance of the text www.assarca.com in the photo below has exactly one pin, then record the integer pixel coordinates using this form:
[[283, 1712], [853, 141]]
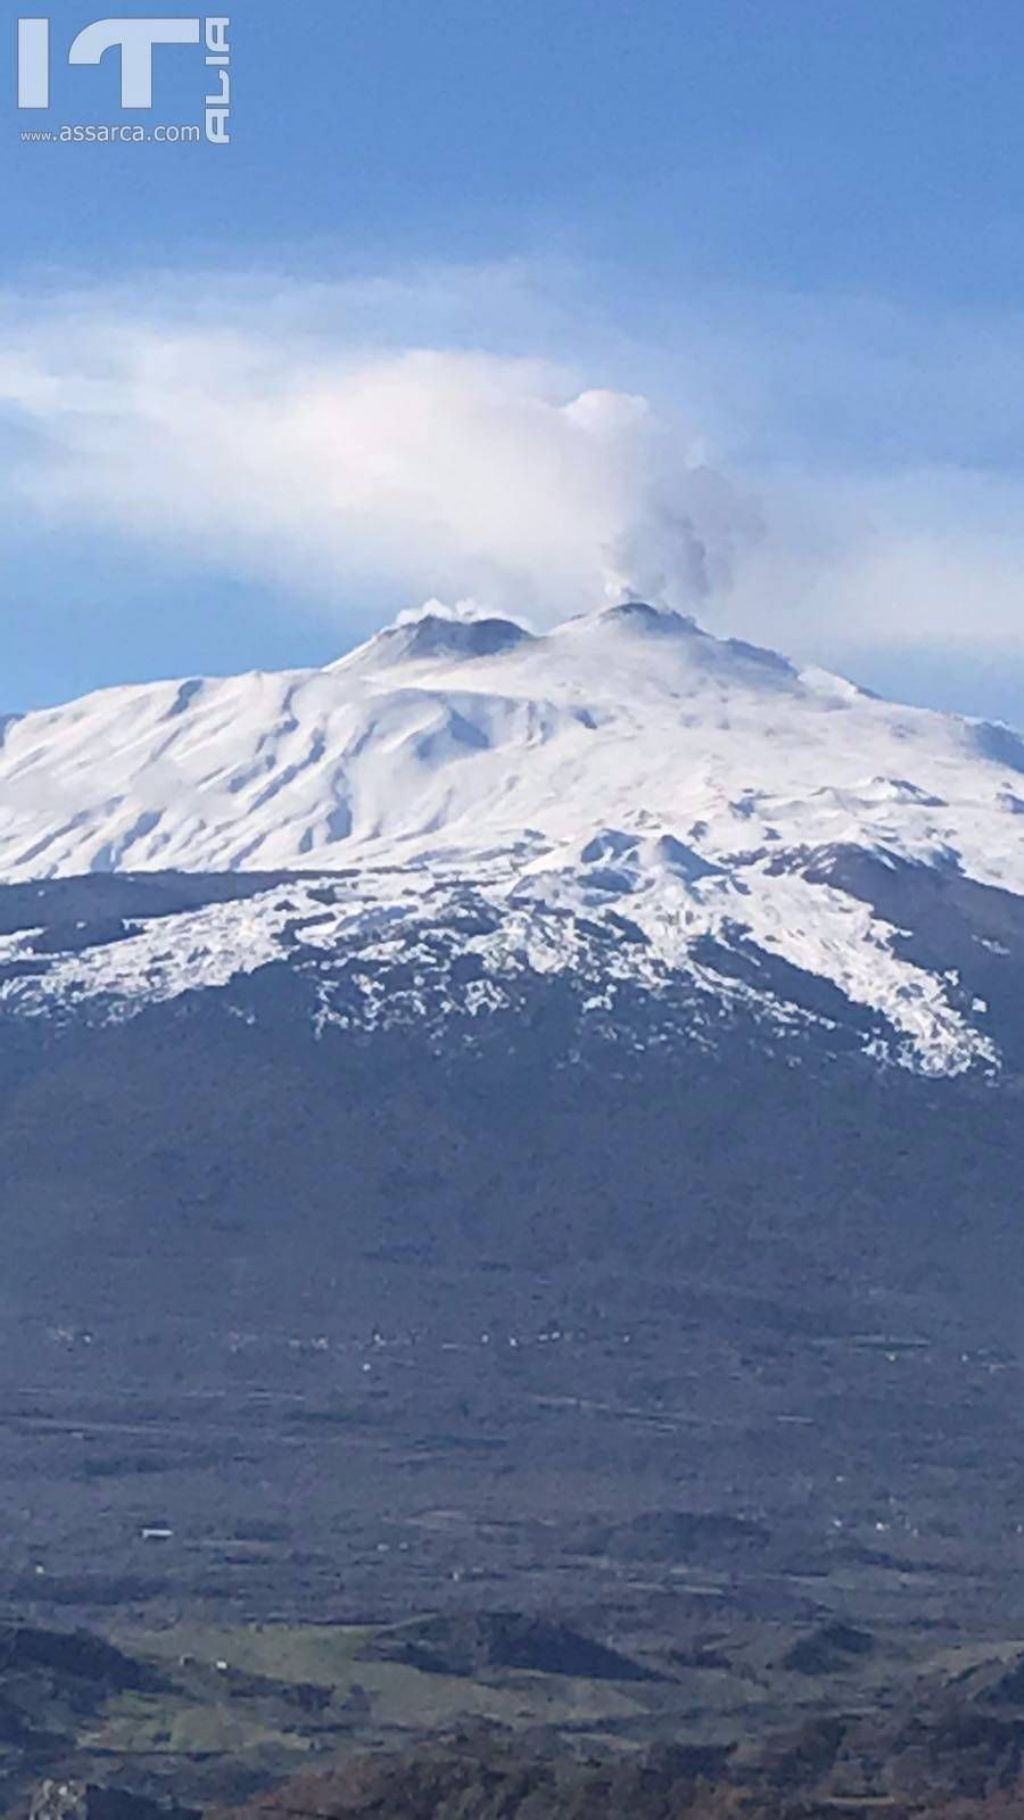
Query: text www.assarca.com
[[115, 135]]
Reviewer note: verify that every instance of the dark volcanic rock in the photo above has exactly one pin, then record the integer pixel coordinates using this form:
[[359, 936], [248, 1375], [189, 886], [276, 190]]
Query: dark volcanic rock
[[472, 1643], [1008, 1688], [826, 1769], [76, 1655], [449, 1785], [677, 1535], [53, 1688], [827, 1650], [82, 1801]]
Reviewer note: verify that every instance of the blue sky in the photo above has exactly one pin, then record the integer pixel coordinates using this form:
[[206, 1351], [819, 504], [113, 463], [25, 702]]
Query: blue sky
[[796, 231]]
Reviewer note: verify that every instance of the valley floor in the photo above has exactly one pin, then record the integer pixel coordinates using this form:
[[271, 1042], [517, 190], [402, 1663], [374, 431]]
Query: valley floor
[[774, 1519]]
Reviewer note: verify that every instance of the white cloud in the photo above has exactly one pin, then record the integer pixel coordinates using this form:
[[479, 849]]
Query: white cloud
[[353, 440], [924, 558], [326, 465]]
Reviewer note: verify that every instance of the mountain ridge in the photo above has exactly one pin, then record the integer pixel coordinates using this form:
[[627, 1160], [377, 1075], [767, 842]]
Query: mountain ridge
[[626, 782]]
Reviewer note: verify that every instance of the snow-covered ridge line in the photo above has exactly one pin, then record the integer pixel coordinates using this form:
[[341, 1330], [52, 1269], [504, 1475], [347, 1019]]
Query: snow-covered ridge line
[[451, 733], [628, 764], [368, 931]]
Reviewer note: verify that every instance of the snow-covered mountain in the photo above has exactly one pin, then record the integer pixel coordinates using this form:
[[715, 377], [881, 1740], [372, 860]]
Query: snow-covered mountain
[[459, 805]]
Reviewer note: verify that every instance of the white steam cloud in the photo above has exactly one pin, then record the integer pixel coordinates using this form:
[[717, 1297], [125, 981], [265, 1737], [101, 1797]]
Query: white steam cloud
[[352, 446], [463, 474]]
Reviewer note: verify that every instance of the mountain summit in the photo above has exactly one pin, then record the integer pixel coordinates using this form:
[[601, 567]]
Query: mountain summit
[[698, 808]]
